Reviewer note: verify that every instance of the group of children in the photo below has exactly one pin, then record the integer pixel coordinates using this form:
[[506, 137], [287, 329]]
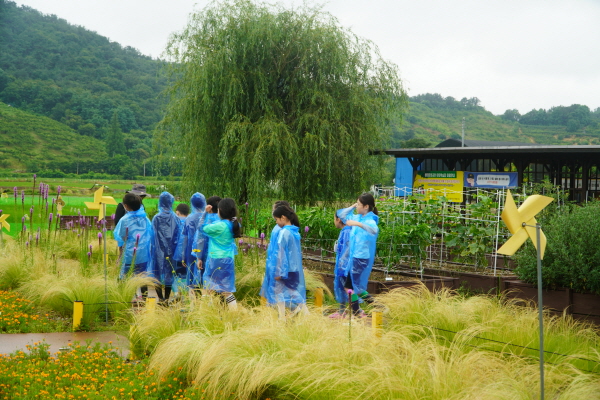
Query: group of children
[[199, 248]]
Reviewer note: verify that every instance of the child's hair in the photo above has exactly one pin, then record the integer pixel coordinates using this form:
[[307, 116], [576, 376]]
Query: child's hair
[[280, 203], [367, 199], [132, 201], [289, 214], [214, 202], [183, 209], [228, 210]]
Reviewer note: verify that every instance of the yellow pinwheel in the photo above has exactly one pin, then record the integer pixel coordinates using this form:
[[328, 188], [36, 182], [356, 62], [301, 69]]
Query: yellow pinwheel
[[3, 223], [522, 224], [100, 203]]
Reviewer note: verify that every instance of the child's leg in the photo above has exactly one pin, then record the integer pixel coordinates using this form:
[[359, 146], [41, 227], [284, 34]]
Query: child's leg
[[230, 300], [159, 292], [281, 309], [366, 297], [167, 291]]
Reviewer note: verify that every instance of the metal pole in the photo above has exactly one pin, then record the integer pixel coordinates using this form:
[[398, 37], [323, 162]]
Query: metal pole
[[104, 232], [538, 229], [463, 132]]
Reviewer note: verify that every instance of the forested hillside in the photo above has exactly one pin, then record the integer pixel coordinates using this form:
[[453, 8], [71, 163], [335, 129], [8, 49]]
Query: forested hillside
[[432, 118], [79, 78], [35, 143]]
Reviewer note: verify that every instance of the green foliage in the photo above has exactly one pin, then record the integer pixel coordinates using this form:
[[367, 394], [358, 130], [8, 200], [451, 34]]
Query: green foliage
[[572, 253], [272, 88], [115, 144]]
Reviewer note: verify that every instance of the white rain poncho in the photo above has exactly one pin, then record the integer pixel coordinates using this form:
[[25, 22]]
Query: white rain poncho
[[167, 229], [286, 264], [219, 273], [134, 231], [363, 242]]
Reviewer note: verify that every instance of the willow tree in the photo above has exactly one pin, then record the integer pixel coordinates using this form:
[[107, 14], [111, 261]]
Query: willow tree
[[265, 100]]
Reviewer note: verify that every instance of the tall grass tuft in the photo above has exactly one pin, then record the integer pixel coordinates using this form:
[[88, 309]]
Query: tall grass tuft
[[254, 355]]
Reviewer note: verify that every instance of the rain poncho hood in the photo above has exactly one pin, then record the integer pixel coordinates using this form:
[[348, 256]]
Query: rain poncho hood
[[219, 274], [167, 229], [134, 230], [190, 224], [286, 264], [363, 242]]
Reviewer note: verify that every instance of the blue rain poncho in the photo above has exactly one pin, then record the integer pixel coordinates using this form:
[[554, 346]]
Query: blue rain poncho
[[269, 279], [135, 230], [167, 228], [186, 240], [286, 265], [219, 273], [362, 246], [200, 248], [342, 264]]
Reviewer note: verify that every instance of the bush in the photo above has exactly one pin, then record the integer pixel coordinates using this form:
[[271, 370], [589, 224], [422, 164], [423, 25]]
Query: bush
[[572, 257]]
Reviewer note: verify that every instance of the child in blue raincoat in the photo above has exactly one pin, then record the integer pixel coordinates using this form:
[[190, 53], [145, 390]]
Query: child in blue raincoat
[[183, 252], [200, 244], [167, 228], [272, 250], [219, 273], [363, 239], [342, 266], [284, 273], [135, 237]]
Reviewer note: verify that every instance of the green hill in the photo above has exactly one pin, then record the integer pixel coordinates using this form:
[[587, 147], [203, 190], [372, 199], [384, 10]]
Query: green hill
[[35, 142], [433, 118], [75, 76]]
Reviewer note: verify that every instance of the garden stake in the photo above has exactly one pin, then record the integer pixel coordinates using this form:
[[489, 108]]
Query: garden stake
[[77, 314], [319, 297], [376, 322], [150, 304]]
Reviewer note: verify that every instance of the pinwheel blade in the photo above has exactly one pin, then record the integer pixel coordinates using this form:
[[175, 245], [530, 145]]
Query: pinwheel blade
[[4, 223], [513, 243], [533, 205], [510, 214]]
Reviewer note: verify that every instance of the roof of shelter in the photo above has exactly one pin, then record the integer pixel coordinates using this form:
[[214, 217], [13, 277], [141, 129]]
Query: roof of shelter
[[498, 149], [480, 143]]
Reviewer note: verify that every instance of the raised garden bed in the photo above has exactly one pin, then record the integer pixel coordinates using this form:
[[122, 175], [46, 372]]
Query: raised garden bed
[[584, 306]]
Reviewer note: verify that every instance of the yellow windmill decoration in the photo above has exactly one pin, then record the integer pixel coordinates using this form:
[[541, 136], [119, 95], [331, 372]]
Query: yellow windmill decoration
[[100, 203], [3, 222], [522, 225]]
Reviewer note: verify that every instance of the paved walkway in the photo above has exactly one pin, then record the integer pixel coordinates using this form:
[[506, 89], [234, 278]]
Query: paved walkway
[[12, 342]]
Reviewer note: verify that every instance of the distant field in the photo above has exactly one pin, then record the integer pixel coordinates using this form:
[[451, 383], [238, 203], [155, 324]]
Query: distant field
[[70, 186], [74, 192]]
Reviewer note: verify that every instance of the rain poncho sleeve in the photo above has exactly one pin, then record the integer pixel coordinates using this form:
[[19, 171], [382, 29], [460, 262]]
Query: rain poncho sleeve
[[342, 264], [167, 229], [134, 230], [290, 287], [363, 241], [268, 285], [219, 274]]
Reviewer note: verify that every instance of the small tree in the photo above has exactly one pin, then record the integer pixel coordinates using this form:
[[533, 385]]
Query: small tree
[[266, 99], [115, 142]]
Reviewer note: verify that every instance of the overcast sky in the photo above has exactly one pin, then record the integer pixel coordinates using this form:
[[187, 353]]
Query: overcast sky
[[521, 54]]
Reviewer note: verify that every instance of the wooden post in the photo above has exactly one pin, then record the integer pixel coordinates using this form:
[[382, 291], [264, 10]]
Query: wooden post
[[77, 314], [319, 297], [376, 323], [151, 304]]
